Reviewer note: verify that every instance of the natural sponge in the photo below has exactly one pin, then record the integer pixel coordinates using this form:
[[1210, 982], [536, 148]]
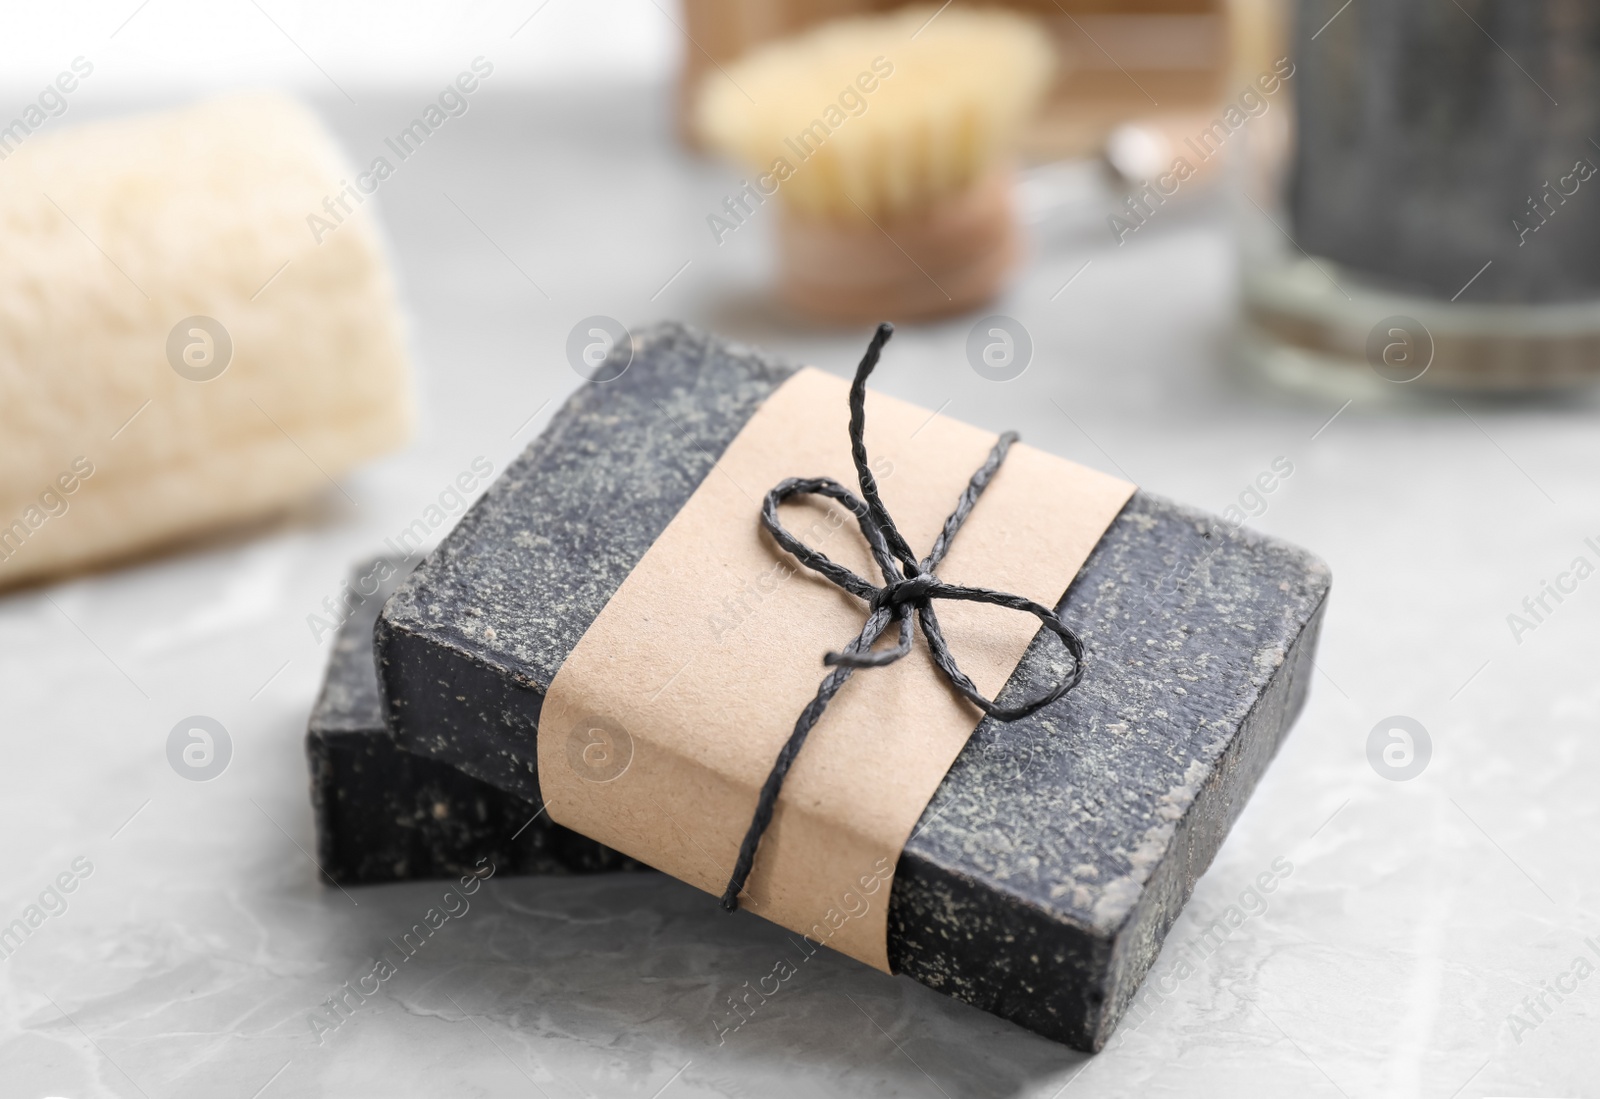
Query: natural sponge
[[184, 343]]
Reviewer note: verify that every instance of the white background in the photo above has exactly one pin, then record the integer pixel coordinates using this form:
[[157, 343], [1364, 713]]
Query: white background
[[206, 45]]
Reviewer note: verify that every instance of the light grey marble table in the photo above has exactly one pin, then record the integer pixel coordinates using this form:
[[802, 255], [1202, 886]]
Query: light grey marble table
[[1414, 920]]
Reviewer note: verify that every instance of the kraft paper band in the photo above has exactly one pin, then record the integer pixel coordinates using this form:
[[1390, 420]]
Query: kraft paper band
[[659, 729]]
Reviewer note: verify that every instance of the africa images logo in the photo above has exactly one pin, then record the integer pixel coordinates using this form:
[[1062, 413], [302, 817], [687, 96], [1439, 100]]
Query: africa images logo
[[199, 748]]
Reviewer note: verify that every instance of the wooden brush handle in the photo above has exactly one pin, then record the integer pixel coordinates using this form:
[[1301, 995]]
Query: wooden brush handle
[[949, 258]]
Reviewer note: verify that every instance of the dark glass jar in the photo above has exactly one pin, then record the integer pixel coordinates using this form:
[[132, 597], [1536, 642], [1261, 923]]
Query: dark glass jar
[[1428, 213]]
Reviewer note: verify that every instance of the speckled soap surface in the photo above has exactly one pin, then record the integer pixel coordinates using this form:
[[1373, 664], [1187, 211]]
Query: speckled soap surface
[[1060, 848], [383, 814]]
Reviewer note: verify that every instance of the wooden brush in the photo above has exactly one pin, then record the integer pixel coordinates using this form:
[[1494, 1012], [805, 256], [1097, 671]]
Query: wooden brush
[[887, 141]]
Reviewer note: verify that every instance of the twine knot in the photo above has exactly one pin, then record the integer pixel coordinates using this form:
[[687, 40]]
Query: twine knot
[[905, 598], [915, 589]]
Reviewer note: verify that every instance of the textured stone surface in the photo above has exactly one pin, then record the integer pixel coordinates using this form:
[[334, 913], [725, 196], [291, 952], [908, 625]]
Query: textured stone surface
[[1060, 848], [383, 814]]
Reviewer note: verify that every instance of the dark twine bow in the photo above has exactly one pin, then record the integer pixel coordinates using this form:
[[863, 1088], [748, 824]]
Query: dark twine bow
[[909, 585]]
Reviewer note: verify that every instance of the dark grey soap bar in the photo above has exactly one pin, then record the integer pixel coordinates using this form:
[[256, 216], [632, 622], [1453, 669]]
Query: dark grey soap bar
[[383, 814], [1060, 848]]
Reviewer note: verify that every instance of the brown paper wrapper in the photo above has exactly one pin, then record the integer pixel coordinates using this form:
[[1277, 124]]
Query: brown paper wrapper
[[659, 730]]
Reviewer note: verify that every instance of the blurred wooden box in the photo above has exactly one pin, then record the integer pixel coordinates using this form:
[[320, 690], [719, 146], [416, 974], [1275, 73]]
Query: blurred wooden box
[[1119, 59]]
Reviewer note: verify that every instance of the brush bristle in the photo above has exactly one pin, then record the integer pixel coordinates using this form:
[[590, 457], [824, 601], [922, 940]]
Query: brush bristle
[[948, 92]]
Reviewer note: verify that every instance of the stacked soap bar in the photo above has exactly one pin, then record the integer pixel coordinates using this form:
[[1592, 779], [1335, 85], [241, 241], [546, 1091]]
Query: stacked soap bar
[[1060, 848], [383, 814]]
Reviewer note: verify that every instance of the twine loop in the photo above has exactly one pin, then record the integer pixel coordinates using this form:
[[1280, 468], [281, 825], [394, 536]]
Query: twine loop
[[906, 597]]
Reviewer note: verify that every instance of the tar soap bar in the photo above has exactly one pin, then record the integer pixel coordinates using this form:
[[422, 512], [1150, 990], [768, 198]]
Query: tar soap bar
[[1059, 849], [383, 814]]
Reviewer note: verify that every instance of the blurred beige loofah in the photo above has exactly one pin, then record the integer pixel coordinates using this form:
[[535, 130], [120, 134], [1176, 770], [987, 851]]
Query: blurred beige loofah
[[240, 220]]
